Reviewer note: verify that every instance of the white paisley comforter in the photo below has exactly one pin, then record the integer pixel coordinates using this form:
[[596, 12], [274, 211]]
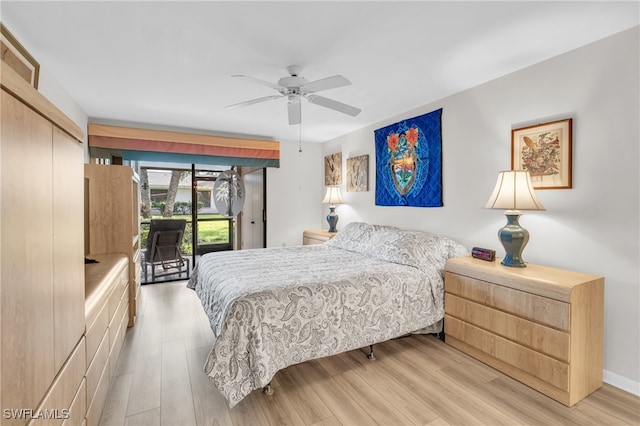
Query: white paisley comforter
[[272, 308]]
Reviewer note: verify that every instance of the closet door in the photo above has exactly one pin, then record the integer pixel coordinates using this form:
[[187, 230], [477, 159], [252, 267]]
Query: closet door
[[68, 243], [26, 256]]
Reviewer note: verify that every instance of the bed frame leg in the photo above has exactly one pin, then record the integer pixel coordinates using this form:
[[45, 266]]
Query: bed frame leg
[[371, 356], [267, 390]]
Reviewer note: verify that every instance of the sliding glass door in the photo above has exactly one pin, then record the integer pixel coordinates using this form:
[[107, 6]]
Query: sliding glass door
[[212, 231], [171, 191]]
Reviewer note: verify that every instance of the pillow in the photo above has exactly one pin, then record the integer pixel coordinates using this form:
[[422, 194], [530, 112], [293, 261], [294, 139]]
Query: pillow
[[391, 244]]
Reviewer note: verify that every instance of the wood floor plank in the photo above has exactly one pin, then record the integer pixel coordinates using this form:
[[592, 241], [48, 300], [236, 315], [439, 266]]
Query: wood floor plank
[[115, 407], [147, 418], [538, 408], [278, 409], [176, 398], [209, 404], [129, 351], [248, 411], [619, 403], [448, 399], [146, 381], [498, 400], [415, 380], [375, 403], [300, 392], [443, 355], [331, 421], [344, 407], [375, 374]]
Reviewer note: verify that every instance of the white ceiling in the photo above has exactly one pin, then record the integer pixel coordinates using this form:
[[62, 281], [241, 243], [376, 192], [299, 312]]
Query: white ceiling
[[170, 63]]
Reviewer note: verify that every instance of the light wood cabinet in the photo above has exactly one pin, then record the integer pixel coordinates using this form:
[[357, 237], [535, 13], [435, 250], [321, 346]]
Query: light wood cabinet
[[42, 279], [107, 288], [316, 236], [542, 326], [113, 221]]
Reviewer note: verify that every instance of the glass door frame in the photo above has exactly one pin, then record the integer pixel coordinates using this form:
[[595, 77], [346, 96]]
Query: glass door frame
[[199, 249]]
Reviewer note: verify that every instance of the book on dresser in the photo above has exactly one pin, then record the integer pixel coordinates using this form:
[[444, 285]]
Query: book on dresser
[[542, 326]]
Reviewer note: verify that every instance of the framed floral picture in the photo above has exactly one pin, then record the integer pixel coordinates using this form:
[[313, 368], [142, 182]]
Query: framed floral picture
[[545, 151]]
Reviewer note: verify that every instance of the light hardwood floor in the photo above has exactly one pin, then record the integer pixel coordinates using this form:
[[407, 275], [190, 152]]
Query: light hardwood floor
[[415, 380]]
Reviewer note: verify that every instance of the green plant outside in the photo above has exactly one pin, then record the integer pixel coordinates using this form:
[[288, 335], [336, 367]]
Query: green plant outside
[[210, 232]]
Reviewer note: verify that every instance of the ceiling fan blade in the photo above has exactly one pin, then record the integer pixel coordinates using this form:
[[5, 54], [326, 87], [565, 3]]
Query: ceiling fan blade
[[325, 84], [293, 107], [254, 101], [335, 105], [258, 81]]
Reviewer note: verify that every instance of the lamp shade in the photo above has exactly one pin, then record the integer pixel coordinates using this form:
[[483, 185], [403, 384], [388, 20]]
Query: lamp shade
[[333, 196], [514, 191]]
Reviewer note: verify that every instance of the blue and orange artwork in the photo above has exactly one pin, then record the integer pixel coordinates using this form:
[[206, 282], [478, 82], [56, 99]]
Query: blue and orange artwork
[[409, 162]]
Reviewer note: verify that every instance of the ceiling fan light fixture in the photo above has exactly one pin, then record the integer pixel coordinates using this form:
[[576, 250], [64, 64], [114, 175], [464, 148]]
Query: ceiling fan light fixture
[[294, 87]]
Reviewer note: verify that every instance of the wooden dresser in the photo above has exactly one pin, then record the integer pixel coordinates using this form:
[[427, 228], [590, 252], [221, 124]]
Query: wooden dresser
[[539, 325], [317, 236], [112, 225]]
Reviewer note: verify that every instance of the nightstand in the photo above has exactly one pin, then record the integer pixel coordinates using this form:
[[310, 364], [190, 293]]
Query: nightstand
[[542, 326], [317, 236]]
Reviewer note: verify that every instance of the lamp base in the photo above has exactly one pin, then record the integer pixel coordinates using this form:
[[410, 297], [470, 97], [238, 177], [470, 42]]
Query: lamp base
[[513, 238], [332, 218]]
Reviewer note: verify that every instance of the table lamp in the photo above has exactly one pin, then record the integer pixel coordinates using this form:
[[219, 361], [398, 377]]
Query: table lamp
[[513, 192], [332, 197]]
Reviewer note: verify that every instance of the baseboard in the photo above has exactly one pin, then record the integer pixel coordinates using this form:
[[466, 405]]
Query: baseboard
[[621, 382]]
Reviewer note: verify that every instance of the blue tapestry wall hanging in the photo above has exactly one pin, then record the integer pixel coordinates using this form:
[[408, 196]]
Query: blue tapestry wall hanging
[[409, 162]]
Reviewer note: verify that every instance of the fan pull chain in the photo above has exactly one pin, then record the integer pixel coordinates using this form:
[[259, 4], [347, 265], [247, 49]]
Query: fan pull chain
[[300, 132]]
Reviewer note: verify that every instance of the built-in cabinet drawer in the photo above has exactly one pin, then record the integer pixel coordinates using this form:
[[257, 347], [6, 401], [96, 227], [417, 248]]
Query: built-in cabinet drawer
[[95, 332], [108, 283], [58, 400], [542, 326], [97, 365]]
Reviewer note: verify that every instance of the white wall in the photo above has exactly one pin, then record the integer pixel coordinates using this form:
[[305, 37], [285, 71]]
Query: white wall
[[591, 228], [51, 89], [294, 192]]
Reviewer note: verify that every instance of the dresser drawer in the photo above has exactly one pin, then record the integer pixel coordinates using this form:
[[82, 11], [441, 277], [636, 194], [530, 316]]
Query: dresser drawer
[[549, 341], [96, 332], [545, 368], [543, 310]]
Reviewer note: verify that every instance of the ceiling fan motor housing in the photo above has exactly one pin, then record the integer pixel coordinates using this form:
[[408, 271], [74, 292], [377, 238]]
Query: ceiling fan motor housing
[[293, 81], [294, 87]]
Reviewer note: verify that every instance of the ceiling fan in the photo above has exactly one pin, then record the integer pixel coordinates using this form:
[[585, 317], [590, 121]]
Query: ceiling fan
[[294, 88]]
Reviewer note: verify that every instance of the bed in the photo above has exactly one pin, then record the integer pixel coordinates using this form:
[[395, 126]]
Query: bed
[[275, 307]]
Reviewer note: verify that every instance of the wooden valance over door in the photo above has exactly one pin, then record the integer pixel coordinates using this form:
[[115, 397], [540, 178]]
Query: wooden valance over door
[[162, 146]]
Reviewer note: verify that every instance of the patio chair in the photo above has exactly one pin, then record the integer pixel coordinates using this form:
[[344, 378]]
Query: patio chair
[[163, 254]]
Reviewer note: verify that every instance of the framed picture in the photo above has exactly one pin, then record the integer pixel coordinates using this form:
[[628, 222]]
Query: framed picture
[[358, 174], [409, 162], [333, 169], [545, 151], [16, 56]]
